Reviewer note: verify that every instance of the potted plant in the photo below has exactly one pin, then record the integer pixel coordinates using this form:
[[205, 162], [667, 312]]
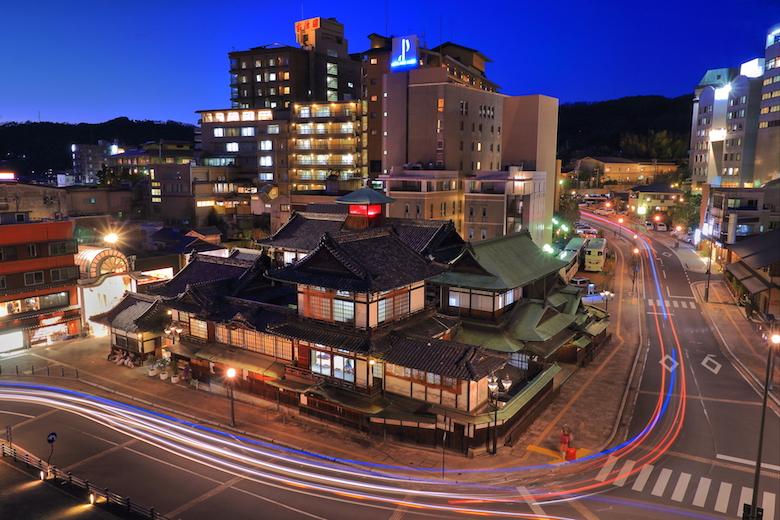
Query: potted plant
[[175, 371], [162, 365], [152, 362]]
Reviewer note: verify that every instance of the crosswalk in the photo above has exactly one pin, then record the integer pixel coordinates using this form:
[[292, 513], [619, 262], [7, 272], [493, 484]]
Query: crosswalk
[[677, 304], [702, 492]]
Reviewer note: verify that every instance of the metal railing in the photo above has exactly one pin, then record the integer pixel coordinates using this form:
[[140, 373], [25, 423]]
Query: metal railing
[[95, 494], [48, 370]]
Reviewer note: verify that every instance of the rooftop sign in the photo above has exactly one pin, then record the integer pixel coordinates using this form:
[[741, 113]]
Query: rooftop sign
[[406, 50]]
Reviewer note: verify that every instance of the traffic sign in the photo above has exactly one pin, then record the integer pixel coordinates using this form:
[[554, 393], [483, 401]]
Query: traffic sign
[[51, 438]]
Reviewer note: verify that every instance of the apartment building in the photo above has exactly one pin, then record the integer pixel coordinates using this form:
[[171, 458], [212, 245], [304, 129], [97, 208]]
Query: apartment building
[[277, 76], [89, 160], [735, 109], [38, 274]]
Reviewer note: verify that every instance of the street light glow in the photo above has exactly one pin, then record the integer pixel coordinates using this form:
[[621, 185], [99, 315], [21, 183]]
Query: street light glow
[[111, 238], [231, 372]]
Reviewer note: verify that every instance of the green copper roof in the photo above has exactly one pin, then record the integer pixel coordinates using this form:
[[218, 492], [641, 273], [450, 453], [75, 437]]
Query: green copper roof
[[364, 196], [500, 263]]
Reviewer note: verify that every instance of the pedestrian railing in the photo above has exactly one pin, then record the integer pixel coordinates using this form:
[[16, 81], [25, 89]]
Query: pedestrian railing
[[95, 494], [48, 370]]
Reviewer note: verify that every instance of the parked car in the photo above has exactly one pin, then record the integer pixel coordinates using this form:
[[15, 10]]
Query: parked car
[[579, 281], [649, 226], [660, 226], [687, 238]]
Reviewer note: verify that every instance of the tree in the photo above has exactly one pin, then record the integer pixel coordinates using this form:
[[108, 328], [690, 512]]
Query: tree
[[686, 213]]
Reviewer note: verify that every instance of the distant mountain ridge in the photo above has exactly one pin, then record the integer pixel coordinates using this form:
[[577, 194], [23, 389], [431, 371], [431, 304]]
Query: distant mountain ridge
[[36, 147], [584, 129]]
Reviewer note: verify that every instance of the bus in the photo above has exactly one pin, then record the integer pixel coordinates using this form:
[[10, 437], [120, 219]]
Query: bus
[[572, 255], [595, 254]]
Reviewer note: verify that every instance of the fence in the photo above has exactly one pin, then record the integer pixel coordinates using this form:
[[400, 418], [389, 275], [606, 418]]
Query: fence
[[49, 370], [95, 494]]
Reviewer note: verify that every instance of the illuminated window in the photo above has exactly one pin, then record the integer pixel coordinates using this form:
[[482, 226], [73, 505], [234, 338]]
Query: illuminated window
[[231, 147], [332, 69], [219, 132], [248, 131], [266, 145], [204, 203], [273, 129], [266, 160], [198, 328]]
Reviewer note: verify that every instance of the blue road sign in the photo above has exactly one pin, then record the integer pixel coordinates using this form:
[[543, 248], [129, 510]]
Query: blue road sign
[[51, 438]]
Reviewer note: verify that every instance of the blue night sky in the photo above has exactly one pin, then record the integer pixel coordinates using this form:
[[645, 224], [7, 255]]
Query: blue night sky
[[83, 61]]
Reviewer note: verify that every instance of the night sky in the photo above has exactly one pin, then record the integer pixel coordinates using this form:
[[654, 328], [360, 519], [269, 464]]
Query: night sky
[[83, 61]]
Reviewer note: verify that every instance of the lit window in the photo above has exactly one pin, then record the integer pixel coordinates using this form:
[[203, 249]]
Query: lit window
[[266, 160], [219, 132], [231, 147], [248, 131], [266, 144], [273, 129]]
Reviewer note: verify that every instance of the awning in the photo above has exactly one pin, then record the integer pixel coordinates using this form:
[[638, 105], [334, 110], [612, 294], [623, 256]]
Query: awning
[[184, 349], [751, 280], [240, 358]]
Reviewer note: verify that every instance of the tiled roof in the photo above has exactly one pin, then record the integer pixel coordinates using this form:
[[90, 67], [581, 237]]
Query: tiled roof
[[429, 237], [760, 250], [134, 313], [500, 263], [446, 358], [202, 268], [656, 187], [372, 260], [303, 231], [359, 344]]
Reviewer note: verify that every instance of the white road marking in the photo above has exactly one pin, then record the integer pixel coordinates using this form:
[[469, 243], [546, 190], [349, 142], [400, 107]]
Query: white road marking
[[745, 497], [724, 494], [660, 484], [682, 485], [606, 469], [641, 480], [701, 492], [531, 501], [624, 473], [747, 462]]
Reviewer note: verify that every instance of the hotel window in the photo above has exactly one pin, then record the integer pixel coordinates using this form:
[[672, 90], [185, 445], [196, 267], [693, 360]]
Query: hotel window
[[33, 278], [443, 210], [265, 160], [55, 248], [266, 145], [332, 82], [373, 61], [332, 69], [219, 132], [440, 145], [343, 311], [231, 147], [32, 250], [322, 111], [484, 234], [248, 131], [2, 282], [440, 105]]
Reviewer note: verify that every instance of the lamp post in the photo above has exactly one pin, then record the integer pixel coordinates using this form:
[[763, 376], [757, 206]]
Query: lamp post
[[606, 297], [231, 373], [494, 397], [620, 228], [634, 268], [775, 342], [657, 219], [677, 244], [709, 273]]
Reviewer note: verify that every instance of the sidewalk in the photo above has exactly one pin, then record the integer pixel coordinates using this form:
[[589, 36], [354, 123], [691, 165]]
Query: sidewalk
[[592, 399]]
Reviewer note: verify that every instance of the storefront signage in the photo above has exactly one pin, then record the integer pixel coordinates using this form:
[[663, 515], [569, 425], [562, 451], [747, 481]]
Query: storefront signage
[[405, 55]]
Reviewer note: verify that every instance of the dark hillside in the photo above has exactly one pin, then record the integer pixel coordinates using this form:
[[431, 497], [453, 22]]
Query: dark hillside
[[37, 147], [597, 128]]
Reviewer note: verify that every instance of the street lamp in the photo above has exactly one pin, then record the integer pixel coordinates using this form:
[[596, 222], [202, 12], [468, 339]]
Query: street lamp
[[494, 397], [231, 373], [775, 340], [620, 227], [657, 220], [709, 274], [606, 297], [677, 244]]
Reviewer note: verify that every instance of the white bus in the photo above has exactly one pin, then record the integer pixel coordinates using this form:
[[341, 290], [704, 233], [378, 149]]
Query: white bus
[[595, 254]]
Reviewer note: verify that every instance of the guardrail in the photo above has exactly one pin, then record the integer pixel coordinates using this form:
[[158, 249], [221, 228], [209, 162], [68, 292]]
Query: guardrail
[[48, 370], [95, 494]]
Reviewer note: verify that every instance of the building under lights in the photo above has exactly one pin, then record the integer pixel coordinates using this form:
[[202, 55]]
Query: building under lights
[[735, 128]]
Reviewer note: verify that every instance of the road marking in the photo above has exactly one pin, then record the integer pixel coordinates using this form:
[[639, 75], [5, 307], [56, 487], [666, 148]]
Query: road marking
[[531, 501], [693, 305], [746, 462], [641, 480], [710, 364], [668, 363], [660, 484], [628, 467], [6, 412], [768, 505], [722, 502], [682, 485], [745, 497], [674, 302], [606, 468], [701, 492]]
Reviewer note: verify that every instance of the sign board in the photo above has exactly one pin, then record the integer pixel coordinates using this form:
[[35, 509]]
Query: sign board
[[406, 50], [51, 438], [305, 25]]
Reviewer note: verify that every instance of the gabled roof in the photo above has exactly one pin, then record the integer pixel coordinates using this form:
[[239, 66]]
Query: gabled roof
[[303, 231], [371, 260], [500, 263], [533, 321], [364, 196], [134, 313], [760, 250], [202, 269], [188, 244]]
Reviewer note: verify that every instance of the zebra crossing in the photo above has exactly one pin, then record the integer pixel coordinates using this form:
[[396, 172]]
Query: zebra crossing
[[676, 304], [701, 491]]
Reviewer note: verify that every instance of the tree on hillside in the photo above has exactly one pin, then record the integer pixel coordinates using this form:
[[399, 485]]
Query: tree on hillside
[[653, 145]]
